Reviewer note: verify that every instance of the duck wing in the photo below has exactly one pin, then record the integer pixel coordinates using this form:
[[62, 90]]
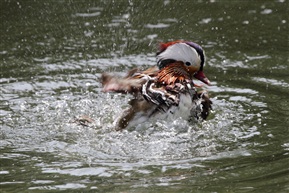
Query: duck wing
[[131, 83]]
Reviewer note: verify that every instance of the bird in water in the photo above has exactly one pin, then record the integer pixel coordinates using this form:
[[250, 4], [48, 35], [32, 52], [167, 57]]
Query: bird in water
[[165, 91]]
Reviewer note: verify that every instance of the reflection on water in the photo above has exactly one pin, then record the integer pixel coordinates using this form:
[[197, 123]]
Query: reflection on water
[[54, 53]]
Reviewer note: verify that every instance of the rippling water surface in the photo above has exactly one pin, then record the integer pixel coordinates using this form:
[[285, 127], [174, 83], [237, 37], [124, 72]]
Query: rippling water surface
[[53, 53]]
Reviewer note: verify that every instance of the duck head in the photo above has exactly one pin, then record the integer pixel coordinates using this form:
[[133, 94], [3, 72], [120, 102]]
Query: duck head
[[188, 54]]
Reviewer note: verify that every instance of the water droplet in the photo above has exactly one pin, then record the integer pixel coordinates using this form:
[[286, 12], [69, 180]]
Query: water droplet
[[246, 22], [266, 11]]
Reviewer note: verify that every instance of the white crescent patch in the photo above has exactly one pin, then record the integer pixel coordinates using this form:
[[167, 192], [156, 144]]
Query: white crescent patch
[[180, 52]]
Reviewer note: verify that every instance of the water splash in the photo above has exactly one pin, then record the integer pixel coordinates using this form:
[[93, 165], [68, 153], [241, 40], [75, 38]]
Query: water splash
[[43, 122]]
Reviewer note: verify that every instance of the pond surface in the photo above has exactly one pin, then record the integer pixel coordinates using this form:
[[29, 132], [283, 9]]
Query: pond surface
[[53, 53]]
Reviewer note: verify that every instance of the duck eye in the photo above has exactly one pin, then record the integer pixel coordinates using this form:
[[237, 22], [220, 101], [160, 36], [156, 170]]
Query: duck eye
[[188, 64]]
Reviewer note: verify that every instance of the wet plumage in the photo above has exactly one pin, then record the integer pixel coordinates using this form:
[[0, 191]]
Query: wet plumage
[[165, 90]]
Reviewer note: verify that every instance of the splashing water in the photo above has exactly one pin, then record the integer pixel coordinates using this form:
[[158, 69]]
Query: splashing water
[[49, 128]]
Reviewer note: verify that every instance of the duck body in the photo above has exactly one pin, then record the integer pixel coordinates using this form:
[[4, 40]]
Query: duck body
[[163, 92], [152, 112]]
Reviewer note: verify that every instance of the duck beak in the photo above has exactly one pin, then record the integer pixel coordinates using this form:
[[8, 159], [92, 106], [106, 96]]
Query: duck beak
[[202, 77]]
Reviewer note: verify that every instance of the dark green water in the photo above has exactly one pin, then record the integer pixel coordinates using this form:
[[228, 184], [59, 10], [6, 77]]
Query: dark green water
[[52, 54]]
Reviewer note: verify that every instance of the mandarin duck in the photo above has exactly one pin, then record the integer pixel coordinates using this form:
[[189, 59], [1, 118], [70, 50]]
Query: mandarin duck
[[166, 90]]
